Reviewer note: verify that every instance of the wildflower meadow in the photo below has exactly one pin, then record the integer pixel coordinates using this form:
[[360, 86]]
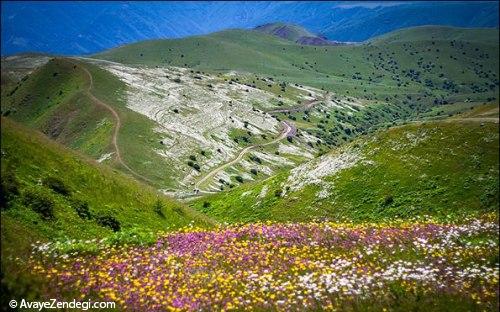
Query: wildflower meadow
[[286, 267]]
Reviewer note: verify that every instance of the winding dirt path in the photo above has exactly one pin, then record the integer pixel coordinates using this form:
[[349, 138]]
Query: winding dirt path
[[118, 123], [289, 130], [307, 105]]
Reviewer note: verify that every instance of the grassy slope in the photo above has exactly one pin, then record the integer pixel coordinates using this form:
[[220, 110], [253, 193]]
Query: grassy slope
[[72, 118], [343, 69], [52, 100], [137, 139], [453, 171], [31, 157], [426, 33]]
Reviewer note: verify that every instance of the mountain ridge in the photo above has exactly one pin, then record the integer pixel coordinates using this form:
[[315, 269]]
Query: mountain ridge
[[106, 25]]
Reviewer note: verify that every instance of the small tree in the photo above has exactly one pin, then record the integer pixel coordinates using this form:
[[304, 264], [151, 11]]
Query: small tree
[[82, 208], [40, 202], [9, 189], [158, 208], [109, 221], [57, 185]]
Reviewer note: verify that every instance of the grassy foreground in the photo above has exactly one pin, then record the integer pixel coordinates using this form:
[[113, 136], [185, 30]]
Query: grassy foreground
[[52, 193]]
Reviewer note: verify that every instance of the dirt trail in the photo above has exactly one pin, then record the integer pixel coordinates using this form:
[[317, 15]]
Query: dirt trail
[[307, 105], [475, 119], [289, 130], [490, 115], [117, 123]]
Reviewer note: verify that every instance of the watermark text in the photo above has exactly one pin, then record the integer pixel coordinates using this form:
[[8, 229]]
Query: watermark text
[[55, 304]]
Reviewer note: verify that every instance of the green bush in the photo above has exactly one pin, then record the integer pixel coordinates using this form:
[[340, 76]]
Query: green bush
[[388, 200], [56, 185], [109, 221], [9, 189], [239, 179], [134, 236], [39, 202], [82, 208], [158, 208], [178, 210]]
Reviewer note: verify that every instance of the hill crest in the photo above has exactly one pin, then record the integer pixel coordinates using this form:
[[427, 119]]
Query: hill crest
[[295, 33]]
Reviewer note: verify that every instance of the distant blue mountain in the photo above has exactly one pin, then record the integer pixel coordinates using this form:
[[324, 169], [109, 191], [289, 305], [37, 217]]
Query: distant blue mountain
[[88, 27]]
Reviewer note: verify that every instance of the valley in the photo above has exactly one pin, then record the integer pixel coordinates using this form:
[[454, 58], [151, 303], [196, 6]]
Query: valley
[[265, 169]]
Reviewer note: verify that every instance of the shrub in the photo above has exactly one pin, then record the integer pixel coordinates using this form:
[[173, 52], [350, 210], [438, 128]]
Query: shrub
[[253, 171], [109, 221], [134, 236], [239, 179], [56, 185], [9, 189], [158, 208], [192, 157], [82, 209], [39, 202], [256, 159], [278, 193], [206, 204], [388, 200], [178, 210]]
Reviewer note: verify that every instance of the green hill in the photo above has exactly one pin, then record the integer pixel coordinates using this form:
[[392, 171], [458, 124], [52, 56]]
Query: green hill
[[53, 100], [444, 168], [457, 64], [286, 31], [441, 33], [57, 100], [51, 193], [400, 76]]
